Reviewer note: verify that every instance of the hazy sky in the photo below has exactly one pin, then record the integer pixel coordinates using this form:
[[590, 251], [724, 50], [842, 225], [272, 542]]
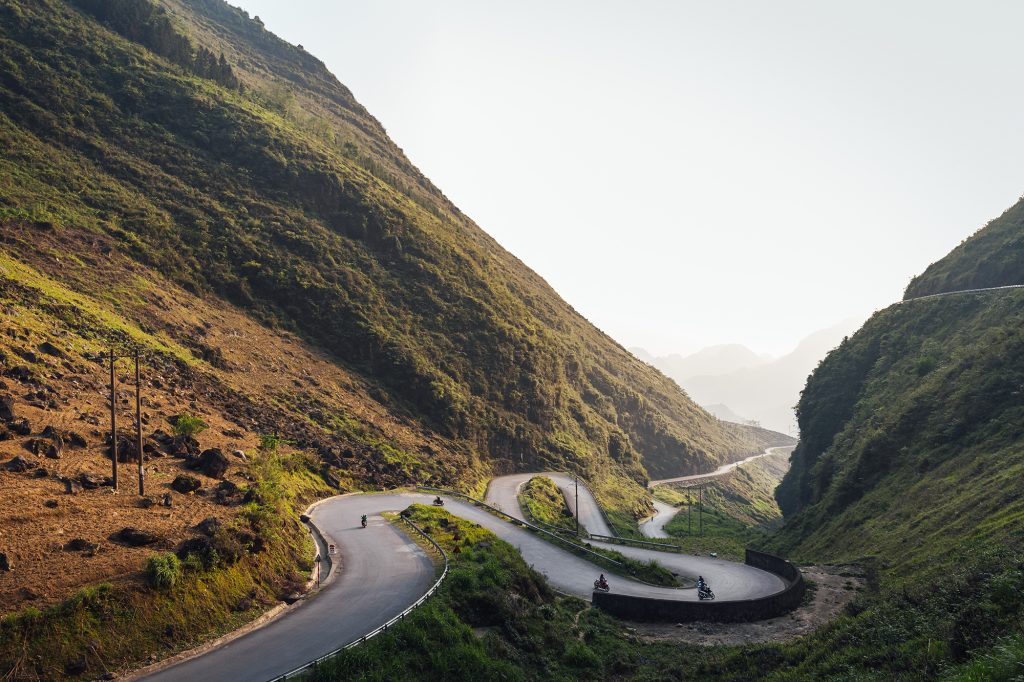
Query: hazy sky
[[689, 173]]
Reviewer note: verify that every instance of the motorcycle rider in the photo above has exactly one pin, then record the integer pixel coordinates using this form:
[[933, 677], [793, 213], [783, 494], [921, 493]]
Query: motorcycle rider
[[702, 585], [363, 520], [438, 501], [601, 583]]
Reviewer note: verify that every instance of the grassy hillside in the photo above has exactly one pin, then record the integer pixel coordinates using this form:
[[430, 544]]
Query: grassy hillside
[[912, 436], [991, 257], [274, 190], [911, 456], [739, 509]]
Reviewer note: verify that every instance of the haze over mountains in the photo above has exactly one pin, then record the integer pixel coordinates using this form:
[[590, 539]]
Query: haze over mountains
[[736, 384]]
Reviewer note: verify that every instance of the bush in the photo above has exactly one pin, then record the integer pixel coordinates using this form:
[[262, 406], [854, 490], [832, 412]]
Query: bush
[[163, 571], [189, 425]]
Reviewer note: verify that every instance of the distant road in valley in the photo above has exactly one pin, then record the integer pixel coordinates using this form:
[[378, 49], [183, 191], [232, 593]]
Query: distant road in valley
[[722, 470]]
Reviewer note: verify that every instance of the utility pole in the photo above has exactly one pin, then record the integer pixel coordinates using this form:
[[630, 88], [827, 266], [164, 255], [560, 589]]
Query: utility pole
[[700, 509], [576, 481], [113, 419], [138, 424], [689, 509]]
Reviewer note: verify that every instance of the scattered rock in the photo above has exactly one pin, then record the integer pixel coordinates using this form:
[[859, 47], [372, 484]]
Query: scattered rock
[[240, 454], [20, 373], [134, 537], [146, 503], [22, 427], [50, 349], [76, 666], [5, 563], [224, 491], [20, 464], [5, 433], [243, 604], [75, 439], [166, 500], [40, 473], [94, 481], [50, 448], [208, 526], [186, 484], [252, 496], [80, 545], [212, 463], [6, 408], [199, 547], [127, 450], [233, 433], [72, 487], [50, 504]]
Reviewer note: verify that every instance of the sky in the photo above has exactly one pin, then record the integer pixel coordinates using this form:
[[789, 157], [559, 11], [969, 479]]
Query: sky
[[692, 173]]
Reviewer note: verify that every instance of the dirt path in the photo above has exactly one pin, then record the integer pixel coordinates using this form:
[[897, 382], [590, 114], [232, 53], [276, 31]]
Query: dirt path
[[835, 586]]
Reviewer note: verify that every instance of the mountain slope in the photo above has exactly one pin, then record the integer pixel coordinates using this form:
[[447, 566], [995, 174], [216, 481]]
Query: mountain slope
[[912, 431], [991, 257], [236, 166]]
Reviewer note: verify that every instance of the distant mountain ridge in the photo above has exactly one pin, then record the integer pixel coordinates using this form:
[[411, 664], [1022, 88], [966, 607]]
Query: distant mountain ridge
[[760, 388]]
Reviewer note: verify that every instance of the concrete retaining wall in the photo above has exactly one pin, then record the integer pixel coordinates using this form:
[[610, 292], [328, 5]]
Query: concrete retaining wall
[[666, 610]]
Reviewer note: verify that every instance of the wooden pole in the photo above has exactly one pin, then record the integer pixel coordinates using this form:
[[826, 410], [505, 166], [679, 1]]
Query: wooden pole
[[576, 480], [700, 509], [113, 419], [138, 423], [689, 508]]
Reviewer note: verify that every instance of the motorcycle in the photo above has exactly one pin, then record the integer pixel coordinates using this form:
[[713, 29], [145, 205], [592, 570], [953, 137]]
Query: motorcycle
[[438, 502], [705, 593], [363, 520], [602, 586]]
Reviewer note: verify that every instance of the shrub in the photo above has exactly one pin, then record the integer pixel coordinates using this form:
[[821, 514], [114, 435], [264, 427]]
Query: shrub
[[189, 425], [163, 571]]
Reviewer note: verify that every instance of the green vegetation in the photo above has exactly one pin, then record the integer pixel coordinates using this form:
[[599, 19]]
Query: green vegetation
[[163, 571], [913, 468], [192, 141], [739, 509], [541, 500], [912, 454], [176, 604], [991, 257], [495, 617], [188, 425]]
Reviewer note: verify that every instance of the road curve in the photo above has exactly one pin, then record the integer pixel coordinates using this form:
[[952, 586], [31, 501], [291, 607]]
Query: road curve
[[382, 571], [503, 493], [724, 469], [654, 527], [731, 580]]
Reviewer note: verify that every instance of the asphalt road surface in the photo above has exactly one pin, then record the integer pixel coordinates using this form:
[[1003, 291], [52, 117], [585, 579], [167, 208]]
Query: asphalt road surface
[[730, 580], [382, 571], [724, 469]]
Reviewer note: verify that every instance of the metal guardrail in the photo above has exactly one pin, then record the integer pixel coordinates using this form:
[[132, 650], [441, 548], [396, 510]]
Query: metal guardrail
[[617, 540], [520, 522], [383, 628]]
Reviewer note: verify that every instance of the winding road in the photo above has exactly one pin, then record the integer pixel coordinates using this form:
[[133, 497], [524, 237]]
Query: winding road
[[382, 571], [654, 527]]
